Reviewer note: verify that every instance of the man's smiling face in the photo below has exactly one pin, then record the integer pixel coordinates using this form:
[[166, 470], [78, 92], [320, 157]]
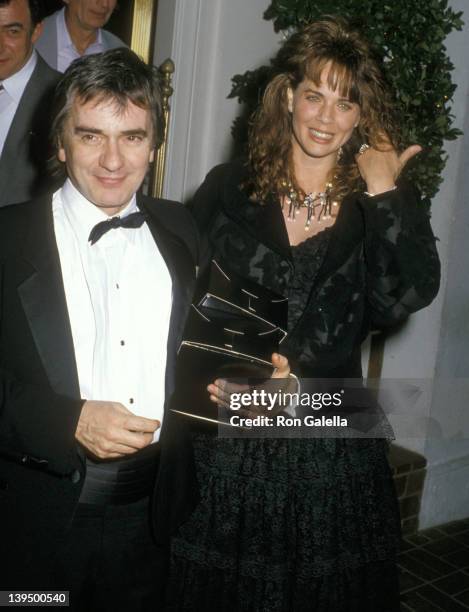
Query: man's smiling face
[[106, 150], [17, 36]]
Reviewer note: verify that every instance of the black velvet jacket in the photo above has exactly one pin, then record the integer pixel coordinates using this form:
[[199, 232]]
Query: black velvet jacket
[[380, 266]]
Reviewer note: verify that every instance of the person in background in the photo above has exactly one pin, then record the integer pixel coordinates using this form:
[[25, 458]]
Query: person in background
[[96, 282], [26, 89], [76, 30], [318, 213]]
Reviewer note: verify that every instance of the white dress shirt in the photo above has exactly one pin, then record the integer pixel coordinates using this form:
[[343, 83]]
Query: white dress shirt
[[10, 96], [66, 50], [118, 294]]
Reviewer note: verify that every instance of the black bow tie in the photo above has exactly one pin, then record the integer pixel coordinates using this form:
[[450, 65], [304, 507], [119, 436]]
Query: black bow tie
[[133, 220]]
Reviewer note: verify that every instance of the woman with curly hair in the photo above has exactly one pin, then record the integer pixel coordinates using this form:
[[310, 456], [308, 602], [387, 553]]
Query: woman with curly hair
[[317, 213]]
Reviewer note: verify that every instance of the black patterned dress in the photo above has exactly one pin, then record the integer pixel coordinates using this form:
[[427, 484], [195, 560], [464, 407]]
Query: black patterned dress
[[289, 525]]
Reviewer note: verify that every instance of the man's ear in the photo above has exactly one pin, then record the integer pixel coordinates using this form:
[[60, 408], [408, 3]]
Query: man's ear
[[152, 156], [37, 31], [61, 153], [290, 99]]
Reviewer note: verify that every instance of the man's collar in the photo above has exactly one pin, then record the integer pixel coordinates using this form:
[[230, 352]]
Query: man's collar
[[15, 85], [82, 214], [63, 37]]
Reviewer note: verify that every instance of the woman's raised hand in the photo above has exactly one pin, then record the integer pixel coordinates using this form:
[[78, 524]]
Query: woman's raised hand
[[381, 167]]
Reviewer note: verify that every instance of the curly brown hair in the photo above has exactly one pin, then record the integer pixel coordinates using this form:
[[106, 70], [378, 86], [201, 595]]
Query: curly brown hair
[[354, 71]]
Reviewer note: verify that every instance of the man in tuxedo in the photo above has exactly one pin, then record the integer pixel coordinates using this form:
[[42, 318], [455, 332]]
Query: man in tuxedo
[[76, 30], [26, 88], [96, 281]]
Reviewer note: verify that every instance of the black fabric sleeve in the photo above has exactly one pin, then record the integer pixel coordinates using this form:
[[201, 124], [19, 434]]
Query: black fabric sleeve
[[37, 426], [204, 207], [403, 269]]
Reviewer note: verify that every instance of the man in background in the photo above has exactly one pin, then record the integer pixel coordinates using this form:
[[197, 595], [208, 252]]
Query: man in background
[[26, 88], [76, 30]]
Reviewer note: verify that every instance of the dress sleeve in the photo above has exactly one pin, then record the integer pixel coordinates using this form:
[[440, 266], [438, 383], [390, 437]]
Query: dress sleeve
[[403, 269]]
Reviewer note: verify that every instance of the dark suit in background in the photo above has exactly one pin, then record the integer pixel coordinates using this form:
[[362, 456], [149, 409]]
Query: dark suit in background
[[23, 163]]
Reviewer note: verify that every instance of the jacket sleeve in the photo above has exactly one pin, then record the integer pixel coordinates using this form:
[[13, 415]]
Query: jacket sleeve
[[402, 265], [37, 426]]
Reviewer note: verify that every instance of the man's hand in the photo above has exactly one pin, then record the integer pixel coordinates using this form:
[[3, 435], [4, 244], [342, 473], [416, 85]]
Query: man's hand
[[220, 391], [109, 431]]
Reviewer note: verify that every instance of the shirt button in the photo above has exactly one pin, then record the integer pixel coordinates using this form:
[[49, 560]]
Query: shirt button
[[117, 286], [122, 343], [131, 400]]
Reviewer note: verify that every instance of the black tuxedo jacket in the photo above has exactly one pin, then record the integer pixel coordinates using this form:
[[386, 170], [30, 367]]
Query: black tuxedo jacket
[[23, 163], [42, 468]]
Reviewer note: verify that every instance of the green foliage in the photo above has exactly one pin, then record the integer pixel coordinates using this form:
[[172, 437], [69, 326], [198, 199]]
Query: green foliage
[[409, 37]]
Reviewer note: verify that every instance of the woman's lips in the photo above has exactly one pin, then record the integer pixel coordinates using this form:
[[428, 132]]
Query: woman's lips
[[320, 137]]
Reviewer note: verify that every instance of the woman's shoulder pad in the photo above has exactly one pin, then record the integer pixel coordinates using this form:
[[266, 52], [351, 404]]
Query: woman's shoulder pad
[[229, 172]]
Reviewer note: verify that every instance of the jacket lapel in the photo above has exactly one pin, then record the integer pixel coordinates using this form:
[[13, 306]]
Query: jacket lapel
[[265, 224], [26, 134], [17, 132], [252, 239], [178, 261], [43, 299], [345, 237], [263, 221]]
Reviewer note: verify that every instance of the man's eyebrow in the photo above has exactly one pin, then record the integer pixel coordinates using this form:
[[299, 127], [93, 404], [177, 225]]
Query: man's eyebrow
[[135, 132], [14, 24], [83, 129]]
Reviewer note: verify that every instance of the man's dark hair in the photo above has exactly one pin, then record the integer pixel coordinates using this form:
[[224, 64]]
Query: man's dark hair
[[35, 8], [119, 76]]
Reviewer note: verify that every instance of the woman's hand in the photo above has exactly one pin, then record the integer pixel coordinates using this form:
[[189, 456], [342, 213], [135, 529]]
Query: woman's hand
[[281, 365], [220, 390], [381, 167]]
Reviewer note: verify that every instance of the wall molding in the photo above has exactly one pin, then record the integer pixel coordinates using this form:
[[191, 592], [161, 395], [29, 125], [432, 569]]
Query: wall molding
[[194, 52]]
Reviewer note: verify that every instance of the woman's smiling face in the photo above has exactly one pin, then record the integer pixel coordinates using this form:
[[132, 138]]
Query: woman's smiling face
[[322, 118]]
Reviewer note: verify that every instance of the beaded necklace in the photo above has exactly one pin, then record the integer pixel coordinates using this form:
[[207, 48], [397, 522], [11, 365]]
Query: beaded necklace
[[318, 204]]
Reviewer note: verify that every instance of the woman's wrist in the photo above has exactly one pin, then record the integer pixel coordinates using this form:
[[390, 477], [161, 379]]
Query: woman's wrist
[[374, 192]]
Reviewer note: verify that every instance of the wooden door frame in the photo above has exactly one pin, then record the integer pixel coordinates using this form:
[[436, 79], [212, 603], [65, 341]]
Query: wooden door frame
[[143, 27], [142, 39]]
